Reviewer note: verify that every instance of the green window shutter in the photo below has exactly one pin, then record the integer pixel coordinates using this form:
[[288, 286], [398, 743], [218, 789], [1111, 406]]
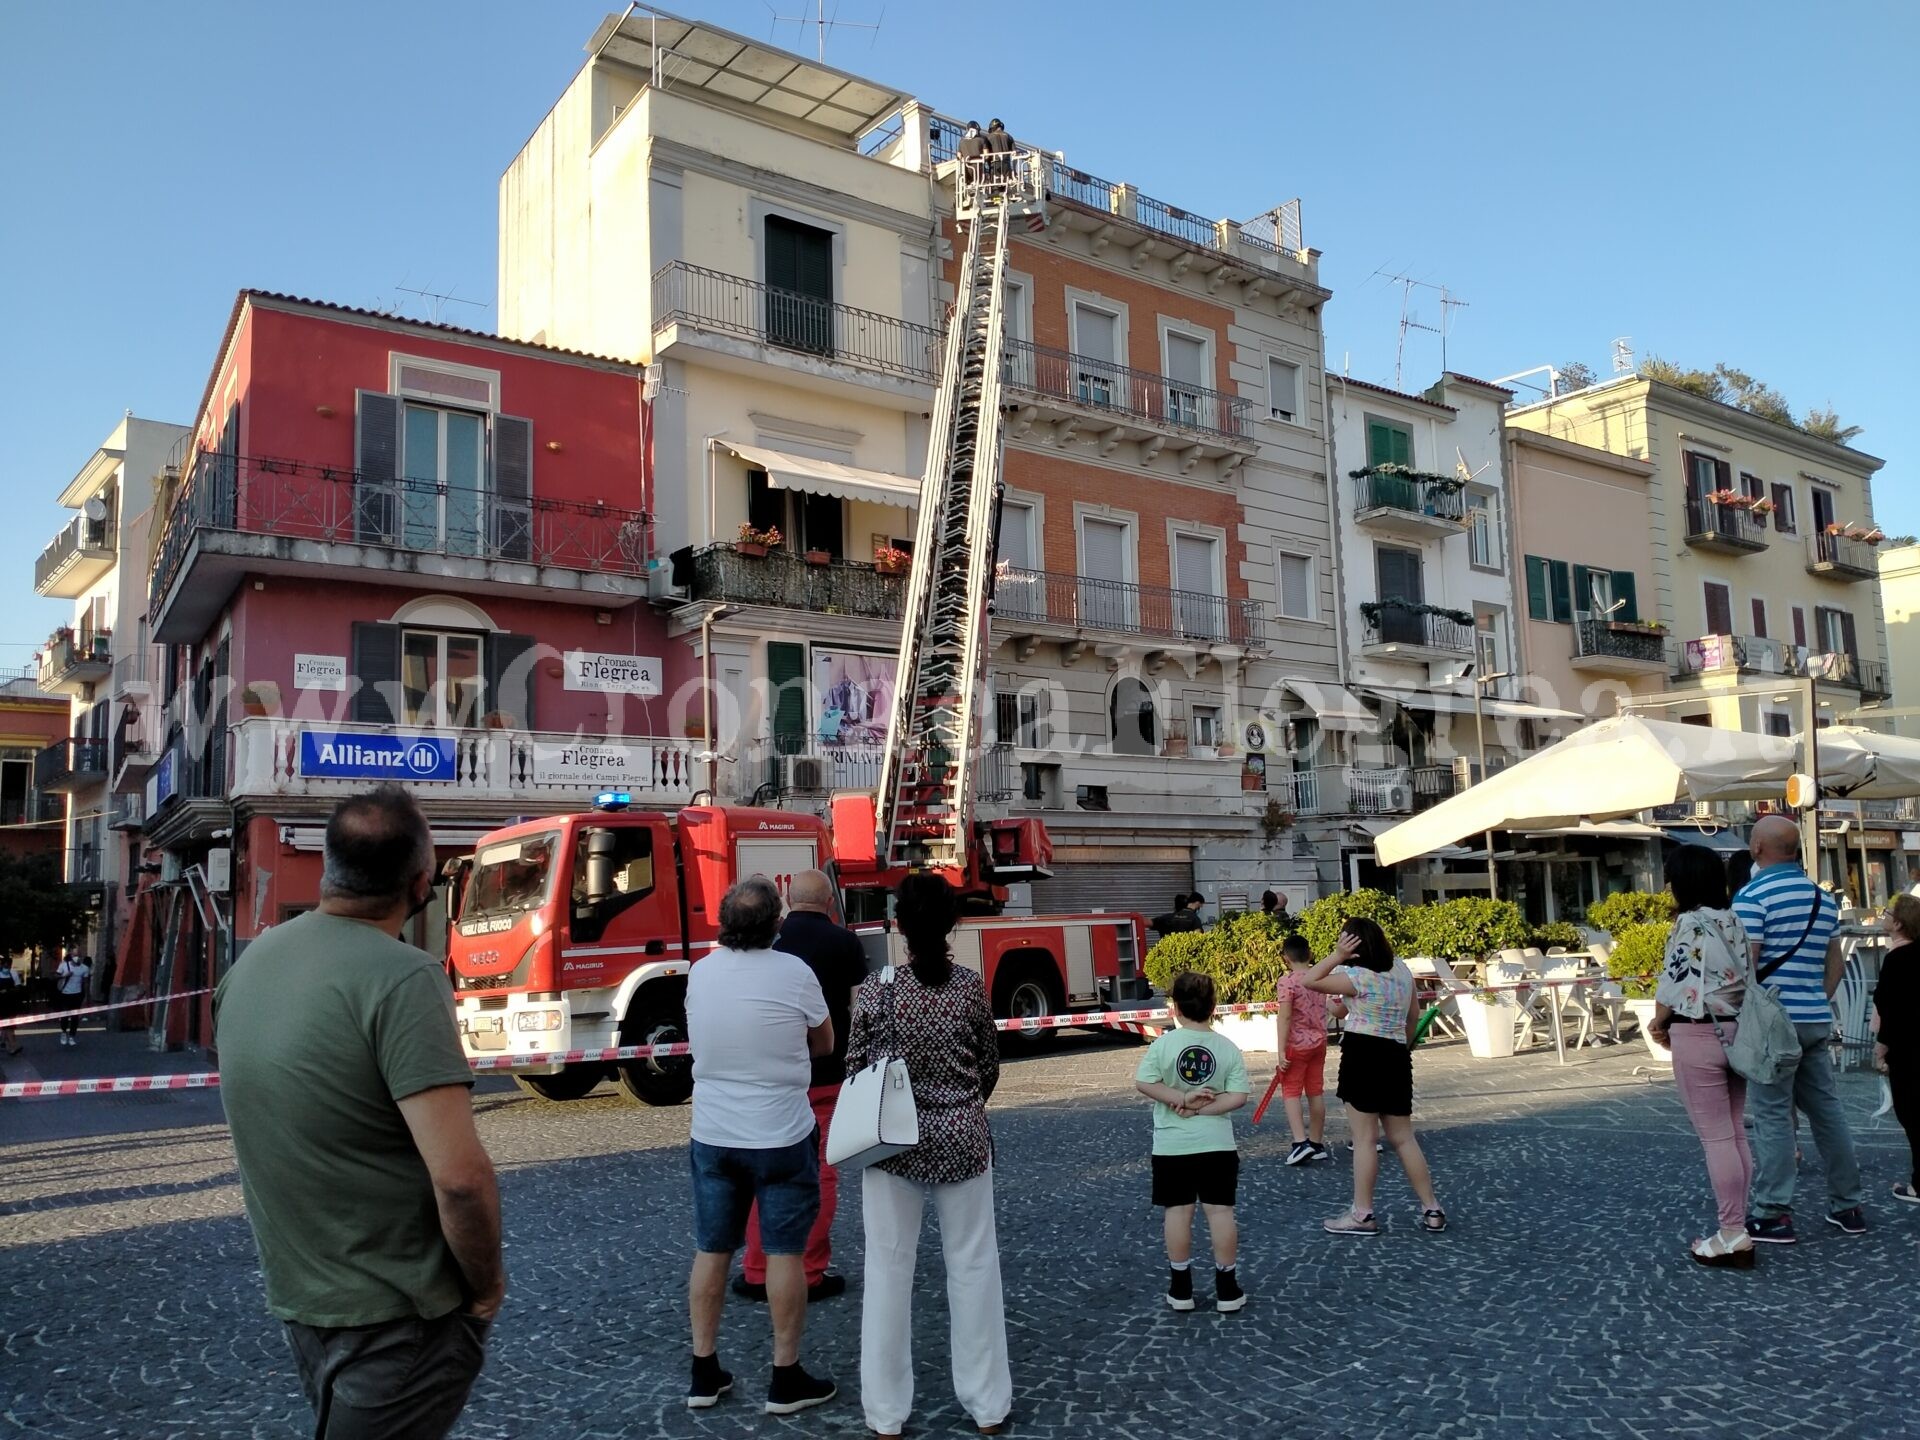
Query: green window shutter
[[1538, 605], [1379, 443], [1562, 589], [1402, 447], [1623, 593], [1582, 588], [787, 678]]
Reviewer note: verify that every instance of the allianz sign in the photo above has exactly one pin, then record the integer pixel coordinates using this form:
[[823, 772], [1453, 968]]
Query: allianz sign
[[326, 755]]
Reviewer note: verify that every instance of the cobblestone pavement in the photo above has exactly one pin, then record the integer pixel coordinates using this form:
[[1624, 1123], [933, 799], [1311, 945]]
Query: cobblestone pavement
[[1561, 1303]]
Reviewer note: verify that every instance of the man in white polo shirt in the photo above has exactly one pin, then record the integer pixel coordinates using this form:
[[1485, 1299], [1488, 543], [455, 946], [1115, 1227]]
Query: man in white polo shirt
[[755, 1018], [1790, 924]]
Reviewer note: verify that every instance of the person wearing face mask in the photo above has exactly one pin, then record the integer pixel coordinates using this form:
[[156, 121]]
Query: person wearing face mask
[[342, 1077]]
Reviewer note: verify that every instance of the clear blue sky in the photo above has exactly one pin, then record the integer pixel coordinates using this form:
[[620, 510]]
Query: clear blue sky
[[1716, 180]]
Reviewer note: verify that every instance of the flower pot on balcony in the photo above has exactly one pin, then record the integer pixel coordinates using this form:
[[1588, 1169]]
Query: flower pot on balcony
[[1252, 780], [819, 557], [260, 697], [750, 548], [890, 567]]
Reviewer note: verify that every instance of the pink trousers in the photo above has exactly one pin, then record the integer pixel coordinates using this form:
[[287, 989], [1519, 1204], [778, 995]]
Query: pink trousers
[[1716, 1102]]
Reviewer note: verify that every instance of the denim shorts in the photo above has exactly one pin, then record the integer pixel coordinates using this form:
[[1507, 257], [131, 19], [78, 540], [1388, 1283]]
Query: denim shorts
[[728, 1179]]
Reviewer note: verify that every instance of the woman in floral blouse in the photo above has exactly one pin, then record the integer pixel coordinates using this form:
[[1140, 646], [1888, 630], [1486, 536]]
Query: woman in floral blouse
[[935, 1016], [1696, 1013]]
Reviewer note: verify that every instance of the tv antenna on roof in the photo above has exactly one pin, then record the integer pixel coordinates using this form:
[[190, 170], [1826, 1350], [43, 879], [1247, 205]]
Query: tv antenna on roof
[[1410, 321], [439, 301], [823, 22]]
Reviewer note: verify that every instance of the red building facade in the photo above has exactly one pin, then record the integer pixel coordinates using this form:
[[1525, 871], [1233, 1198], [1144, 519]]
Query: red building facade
[[393, 551]]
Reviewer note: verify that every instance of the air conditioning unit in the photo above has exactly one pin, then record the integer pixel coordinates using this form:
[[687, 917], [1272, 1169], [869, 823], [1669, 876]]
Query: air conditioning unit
[[660, 587], [1398, 796], [803, 772]]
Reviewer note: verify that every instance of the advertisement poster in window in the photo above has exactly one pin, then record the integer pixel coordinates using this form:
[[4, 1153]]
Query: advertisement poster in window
[[853, 697]]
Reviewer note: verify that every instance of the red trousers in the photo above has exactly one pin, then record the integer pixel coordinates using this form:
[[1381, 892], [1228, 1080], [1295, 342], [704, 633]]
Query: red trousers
[[820, 1239]]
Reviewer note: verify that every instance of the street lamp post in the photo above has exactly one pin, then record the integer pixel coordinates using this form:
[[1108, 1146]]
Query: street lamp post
[[1480, 742]]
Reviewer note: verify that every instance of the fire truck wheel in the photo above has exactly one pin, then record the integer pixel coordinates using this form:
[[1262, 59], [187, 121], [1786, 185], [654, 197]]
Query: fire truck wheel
[[1024, 991], [656, 1081], [575, 1082]]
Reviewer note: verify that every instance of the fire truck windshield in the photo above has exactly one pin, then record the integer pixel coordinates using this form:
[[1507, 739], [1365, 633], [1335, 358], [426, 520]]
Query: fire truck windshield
[[511, 877]]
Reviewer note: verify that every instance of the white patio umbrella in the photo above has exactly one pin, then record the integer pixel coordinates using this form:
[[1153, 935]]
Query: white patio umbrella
[[1612, 768], [1863, 764]]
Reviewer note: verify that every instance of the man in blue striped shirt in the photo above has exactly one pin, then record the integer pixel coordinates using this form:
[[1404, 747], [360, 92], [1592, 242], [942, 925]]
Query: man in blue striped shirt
[[1790, 924]]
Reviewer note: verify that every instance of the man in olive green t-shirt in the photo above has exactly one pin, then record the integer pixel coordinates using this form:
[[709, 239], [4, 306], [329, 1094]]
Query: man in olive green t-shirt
[[372, 1200]]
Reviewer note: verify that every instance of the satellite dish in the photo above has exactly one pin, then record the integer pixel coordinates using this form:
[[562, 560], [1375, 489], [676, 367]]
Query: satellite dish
[[96, 509]]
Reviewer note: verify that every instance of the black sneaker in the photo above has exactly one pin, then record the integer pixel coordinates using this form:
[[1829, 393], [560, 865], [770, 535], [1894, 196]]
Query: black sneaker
[[1180, 1289], [1301, 1152], [710, 1382], [830, 1284], [1379, 1146], [1775, 1231], [1320, 1152], [1850, 1221], [1227, 1294], [793, 1390], [747, 1290]]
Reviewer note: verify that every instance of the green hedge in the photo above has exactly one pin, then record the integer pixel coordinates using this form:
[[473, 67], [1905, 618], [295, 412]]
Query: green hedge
[[1630, 907], [1321, 921], [1638, 953], [1557, 932], [1241, 953], [1468, 927]]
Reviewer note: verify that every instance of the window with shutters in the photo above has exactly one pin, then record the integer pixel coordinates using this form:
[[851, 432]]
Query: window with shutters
[[1759, 617], [1019, 591], [1833, 630], [1398, 575], [1204, 725], [1295, 585], [799, 296], [1097, 354], [442, 679], [443, 461], [442, 480], [1023, 717], [787, 688], [1783, 517], [1389, 443], [1799, 626], [1185, 361], [1752, 486], [1824, 509], [1283, 390], [1196, 570], [1107, 599], [1483, 533], [1718, 599]]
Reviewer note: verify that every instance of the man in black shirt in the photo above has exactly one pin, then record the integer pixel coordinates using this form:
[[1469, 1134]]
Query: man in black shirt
[[1180, 919], [834, 955]]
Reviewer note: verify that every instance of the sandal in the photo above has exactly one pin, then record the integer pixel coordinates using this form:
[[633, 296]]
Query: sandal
[[1433, 1221], [1717, 1253], [1348, 1223]]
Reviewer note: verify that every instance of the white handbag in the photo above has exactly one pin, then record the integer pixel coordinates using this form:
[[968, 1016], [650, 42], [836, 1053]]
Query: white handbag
[[875, 1118]]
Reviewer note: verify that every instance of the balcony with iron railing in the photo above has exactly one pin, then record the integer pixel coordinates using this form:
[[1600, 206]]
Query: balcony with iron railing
[[76, 558], [752, 320], [72, 661], [1728, 529], [1409, 505], [237, 515], [1618, 647], [1081, 394], [1761, 655], [36, 807], [1841, 558], [1085, 604], [1392, 627], [1362, 789], [74, 763]]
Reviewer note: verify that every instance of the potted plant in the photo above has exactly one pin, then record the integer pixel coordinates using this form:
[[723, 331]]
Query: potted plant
[[1639, 952], [259, 697], [1176, 740], [757, 542], [819, 557], [891, 560]]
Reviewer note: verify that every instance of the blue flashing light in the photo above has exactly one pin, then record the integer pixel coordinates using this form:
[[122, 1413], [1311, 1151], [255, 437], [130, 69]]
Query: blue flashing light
[[613, 800]]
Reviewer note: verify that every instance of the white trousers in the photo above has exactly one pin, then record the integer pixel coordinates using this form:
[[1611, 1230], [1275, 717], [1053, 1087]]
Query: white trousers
[[976, 1313]]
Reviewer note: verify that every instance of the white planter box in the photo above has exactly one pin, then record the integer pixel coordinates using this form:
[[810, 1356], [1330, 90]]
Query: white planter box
[[1250, 1032], [1490, 1026], [1642, 1010]]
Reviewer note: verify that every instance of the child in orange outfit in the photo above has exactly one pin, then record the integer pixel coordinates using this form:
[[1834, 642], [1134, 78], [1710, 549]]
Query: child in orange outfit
[[1302, 1023]]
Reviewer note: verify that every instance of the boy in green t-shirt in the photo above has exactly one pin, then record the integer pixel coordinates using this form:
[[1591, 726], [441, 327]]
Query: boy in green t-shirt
[[1196, 1079]]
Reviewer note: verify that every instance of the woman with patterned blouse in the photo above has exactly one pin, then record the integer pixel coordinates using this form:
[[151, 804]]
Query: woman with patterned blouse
[[933, 1015], [1696, 1014]]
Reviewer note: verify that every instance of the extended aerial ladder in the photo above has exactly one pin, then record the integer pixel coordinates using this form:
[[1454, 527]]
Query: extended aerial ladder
[[924, 806]]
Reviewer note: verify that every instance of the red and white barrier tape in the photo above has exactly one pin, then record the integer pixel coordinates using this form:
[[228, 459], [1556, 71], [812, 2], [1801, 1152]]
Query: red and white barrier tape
[[1131, 1021], [15, 1022]]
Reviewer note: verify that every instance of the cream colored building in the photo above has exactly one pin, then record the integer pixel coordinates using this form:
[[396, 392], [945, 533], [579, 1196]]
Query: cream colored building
[[1900, 595], [1750, 597], [774, 238]]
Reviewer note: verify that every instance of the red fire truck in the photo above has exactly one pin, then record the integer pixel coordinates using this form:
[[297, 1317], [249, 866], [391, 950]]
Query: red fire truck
[[576, 932]]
